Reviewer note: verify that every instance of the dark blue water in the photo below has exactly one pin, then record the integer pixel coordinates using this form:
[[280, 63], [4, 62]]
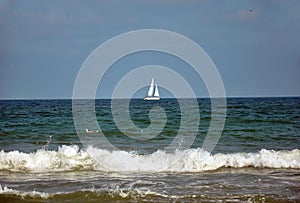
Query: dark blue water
[[251, 123], [42, 158]]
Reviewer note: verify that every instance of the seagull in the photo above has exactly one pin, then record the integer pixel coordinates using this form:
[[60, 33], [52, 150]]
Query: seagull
[[91, 131], [251, 10]]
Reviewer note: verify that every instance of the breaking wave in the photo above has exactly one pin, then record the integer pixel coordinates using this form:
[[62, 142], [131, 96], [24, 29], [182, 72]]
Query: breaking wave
[[72, 158]]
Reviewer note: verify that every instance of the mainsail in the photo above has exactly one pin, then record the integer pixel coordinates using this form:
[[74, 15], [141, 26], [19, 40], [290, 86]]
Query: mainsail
[[153, 93], [151, 88]]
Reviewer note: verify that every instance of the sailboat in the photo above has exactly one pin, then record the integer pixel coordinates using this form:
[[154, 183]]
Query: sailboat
[[153, 93]]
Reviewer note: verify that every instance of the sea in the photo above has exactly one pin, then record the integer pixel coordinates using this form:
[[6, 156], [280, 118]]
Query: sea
[[43, 158]]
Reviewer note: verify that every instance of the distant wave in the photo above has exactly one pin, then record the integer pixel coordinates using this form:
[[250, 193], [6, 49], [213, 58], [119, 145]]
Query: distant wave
[[71, 158]]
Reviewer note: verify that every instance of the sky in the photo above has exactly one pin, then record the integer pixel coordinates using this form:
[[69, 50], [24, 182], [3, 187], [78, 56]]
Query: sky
[[44, 43]]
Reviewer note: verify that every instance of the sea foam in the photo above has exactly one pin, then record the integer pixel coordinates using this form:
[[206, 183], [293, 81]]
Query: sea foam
[[71, 158], [131, 193], [32, 194]]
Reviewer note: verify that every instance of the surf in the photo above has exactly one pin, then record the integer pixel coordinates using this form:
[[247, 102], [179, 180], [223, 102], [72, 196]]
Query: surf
[[72, 158]]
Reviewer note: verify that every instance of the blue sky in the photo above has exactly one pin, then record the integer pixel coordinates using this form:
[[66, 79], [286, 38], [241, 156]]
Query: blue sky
[[44, 43]]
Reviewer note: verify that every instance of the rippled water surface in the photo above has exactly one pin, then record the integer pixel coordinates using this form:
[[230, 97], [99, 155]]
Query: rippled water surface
[[256, 159]]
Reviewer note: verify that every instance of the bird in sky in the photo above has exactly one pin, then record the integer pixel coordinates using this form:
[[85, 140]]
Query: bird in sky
[[251, 10]]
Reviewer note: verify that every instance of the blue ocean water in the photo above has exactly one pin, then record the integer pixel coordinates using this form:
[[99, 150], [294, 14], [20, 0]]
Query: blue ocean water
[[43, 159]]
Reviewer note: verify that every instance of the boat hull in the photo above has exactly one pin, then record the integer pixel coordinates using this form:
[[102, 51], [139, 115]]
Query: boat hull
[[152, 98]]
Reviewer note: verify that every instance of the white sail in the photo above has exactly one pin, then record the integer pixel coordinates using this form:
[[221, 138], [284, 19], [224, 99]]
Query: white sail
[[151, 88], [153, 93], [156, 93]]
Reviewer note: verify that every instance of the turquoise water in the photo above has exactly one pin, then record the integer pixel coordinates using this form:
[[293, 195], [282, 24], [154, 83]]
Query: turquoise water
[[256, 159]]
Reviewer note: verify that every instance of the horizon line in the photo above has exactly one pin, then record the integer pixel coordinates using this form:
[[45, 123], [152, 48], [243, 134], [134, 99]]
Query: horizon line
[[204, 97]]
